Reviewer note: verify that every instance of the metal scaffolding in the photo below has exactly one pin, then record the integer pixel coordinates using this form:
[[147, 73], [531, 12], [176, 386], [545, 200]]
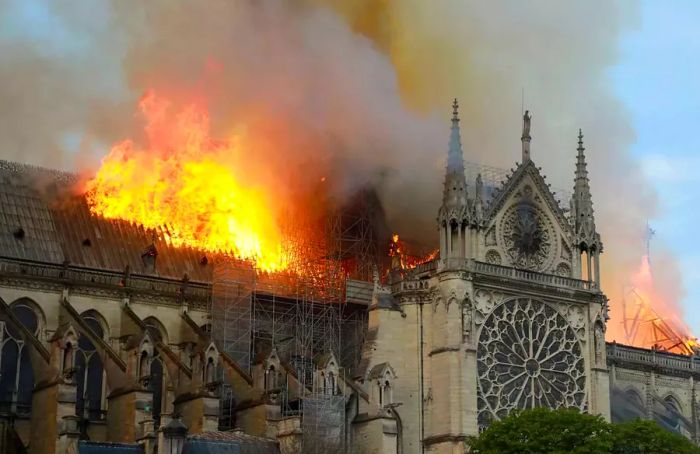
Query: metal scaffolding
[[302, 312]]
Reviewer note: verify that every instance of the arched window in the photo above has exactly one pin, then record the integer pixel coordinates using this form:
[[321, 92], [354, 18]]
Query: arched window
[[672, 417], [270, 378], [381, 395], [16, 374], [331, 383], [636, 402], [387, 392], [209, 371], [151, 371], [155, 384], [156, 330], [89, 372], [68, 357], [144, 370]]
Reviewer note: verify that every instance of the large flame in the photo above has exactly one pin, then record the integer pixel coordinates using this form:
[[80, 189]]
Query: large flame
[[649, 320], [187, 182]]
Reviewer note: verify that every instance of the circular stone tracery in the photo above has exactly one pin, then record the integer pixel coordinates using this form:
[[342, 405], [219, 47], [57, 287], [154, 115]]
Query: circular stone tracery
[[526, 237], [528, 356]]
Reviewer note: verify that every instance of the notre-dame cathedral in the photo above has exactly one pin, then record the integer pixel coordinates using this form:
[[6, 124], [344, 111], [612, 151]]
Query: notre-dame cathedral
[[105, 347]]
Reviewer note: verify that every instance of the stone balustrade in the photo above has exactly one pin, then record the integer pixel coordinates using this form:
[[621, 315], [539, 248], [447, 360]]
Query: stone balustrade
[[511, 273], [619, 353], [197, 294]]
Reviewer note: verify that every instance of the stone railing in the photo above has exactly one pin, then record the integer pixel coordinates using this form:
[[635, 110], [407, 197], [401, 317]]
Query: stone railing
[[514, 273], [197, 294], [652, 358], [530, 276]]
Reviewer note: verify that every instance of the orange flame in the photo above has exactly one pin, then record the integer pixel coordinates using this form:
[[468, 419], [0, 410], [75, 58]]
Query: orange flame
[[649, 321], [187, 182]]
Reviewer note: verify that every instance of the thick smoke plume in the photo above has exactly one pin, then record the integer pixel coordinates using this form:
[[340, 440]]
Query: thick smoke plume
[[347, 91]]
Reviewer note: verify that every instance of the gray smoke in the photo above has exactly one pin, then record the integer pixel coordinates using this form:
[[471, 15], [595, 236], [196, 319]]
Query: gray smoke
[[358, 92]]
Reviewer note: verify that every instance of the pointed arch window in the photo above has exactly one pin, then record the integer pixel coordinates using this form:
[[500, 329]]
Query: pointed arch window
[[152, 369], [330, 389], [387, 392], [90, 405], [16, 373], [270, 378]]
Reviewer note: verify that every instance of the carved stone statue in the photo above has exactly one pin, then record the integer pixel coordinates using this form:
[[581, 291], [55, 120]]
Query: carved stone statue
[[599, 338], [479, 187], [526, 123], [466, 318]]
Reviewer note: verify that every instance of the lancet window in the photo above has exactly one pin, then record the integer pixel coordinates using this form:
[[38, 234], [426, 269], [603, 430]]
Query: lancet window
[[16, 373], [90, 403]]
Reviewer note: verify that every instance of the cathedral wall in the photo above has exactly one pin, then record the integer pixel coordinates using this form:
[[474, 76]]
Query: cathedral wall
[[397, 343], [654, 385], [123, 418]]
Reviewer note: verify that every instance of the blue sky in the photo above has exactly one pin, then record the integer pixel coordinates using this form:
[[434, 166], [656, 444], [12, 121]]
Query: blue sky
[[657, 80]]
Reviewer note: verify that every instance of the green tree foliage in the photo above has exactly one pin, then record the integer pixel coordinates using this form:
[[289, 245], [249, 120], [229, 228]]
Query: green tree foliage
[[646, 437], [541, 430]]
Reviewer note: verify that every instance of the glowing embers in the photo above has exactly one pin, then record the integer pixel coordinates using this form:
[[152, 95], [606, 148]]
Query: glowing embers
[[189, 185]]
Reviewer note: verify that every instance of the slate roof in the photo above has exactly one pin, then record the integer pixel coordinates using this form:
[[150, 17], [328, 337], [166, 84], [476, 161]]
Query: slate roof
[[42, 218]]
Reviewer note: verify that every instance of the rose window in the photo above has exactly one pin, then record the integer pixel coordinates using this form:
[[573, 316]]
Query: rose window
[[525, 237], [528, 356]]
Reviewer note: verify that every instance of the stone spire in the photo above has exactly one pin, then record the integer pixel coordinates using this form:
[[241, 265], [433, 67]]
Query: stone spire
[[582, 202], [455, 191]]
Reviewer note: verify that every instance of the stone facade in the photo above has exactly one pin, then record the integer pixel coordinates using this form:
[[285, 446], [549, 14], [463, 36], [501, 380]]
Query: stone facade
[[106, 334]]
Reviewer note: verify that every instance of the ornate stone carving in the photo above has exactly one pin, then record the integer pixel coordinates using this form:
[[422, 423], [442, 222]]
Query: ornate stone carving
[[528, 356], [485, 301], [563, 270], [576, 317], [492, 256], [491, 236], [565, 251], [527, 236]]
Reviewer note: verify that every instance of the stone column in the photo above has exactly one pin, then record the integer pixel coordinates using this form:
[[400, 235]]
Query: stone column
[[597, 269], [460, 245], [443, 246], [589, 274], [449, 240]]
